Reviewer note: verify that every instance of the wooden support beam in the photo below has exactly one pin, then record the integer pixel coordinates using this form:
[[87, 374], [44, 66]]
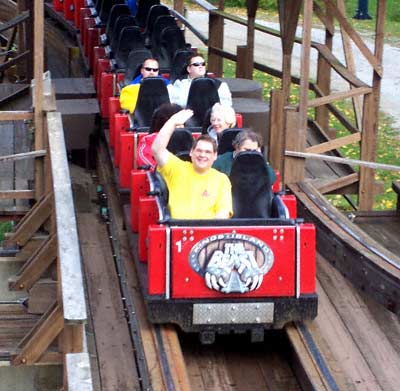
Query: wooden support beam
[[17, 195], [215, 39], [338, 183], [325, 18], [293, 166], [276, 143], [31, 222], [355, 37], [16, 115], [36, 265], [22, 156], [334, 144], [36, 342], [348, 54], [367, 152]]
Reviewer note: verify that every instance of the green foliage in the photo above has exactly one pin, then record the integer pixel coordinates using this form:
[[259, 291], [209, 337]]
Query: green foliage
[[4, 228]]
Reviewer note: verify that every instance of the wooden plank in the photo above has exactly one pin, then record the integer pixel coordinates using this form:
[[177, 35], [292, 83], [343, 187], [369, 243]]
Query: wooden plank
[[305, 67], [338, 183], [324, 70], [14, 61], [15, 21], [355, 37], [17, 194], [293, 167], [115, 355], [215, 39], [362, 163], [334, 144], [338, 66], [376, 351], [39, 339], [36, 265], [31, 222], [348, 53], [23, 156], [276, 130], [15, 115], [324, 18], [367, 152], [335, 96]]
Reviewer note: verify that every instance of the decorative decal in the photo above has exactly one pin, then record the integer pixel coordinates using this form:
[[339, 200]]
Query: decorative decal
[[231, 262]]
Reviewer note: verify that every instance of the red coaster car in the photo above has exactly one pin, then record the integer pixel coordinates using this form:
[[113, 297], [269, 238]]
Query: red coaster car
[[217, 276]]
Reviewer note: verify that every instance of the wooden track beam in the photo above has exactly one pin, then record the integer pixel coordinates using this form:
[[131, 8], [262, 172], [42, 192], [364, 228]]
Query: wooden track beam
[[36, 265], [31, 222]]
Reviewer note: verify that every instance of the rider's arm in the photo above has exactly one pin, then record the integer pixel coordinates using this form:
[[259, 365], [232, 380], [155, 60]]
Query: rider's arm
[[159, 147]]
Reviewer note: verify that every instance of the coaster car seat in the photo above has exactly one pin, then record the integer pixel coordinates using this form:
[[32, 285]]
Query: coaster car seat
[[181, 143], [116, 11], [203, 94], [226, 139], [154, 12], [171, 40], [178, 65], [143, 9], [251, 186], [133, 64], [130, 38], [152, 93]]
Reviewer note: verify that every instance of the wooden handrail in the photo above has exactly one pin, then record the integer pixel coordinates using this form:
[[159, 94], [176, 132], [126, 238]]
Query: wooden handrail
[[15, 115]]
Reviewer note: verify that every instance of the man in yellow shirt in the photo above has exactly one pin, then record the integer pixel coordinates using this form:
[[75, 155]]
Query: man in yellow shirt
[[196, 191]]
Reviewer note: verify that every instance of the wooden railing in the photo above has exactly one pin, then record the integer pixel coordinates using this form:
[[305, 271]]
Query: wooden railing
[[288, 124]]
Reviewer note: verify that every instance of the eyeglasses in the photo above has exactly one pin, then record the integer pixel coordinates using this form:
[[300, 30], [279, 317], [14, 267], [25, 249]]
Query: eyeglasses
[[148, 69], [198, 64]]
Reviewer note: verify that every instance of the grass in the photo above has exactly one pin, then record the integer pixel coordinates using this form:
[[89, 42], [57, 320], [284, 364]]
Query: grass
[[4, 228]]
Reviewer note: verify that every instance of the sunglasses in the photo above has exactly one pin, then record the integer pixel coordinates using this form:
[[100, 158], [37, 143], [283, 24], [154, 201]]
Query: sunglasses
[[198, 64], [148, 69]]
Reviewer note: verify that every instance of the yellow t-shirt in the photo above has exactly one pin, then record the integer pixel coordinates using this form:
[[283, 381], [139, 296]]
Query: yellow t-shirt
[[193, 195], [129, 96]]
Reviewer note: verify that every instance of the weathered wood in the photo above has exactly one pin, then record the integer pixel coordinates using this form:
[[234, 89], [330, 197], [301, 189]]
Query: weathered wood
[[31, 222], [337, 184], [334, 144], [39, 339], [276, 144], [288, 15], [14, 22], [36, 265], [355, 37], [348, 53], [367, 152], [295, 140], [335, 96], [73, 296], [305, 66], [22, 156], [15, 115], [361, 163], [116, 360], [17, 194], [215, 39], [41, 296], [323, 67]]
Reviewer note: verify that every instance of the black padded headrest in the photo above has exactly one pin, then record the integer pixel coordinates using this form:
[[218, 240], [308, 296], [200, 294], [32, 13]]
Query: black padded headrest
[[226, 139], [251, 186], [180, 142]]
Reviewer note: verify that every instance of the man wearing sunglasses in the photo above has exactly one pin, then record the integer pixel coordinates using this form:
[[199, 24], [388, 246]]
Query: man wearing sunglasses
[[196, 67], [129, 93]]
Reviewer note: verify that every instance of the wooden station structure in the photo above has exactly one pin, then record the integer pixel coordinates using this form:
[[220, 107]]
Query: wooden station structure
[[47, 231]]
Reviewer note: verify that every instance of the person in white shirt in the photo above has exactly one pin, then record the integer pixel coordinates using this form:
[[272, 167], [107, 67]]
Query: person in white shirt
[[196, 67]]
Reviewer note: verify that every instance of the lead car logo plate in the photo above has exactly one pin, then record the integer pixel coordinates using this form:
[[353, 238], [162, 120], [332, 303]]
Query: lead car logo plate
[[231, 262]]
